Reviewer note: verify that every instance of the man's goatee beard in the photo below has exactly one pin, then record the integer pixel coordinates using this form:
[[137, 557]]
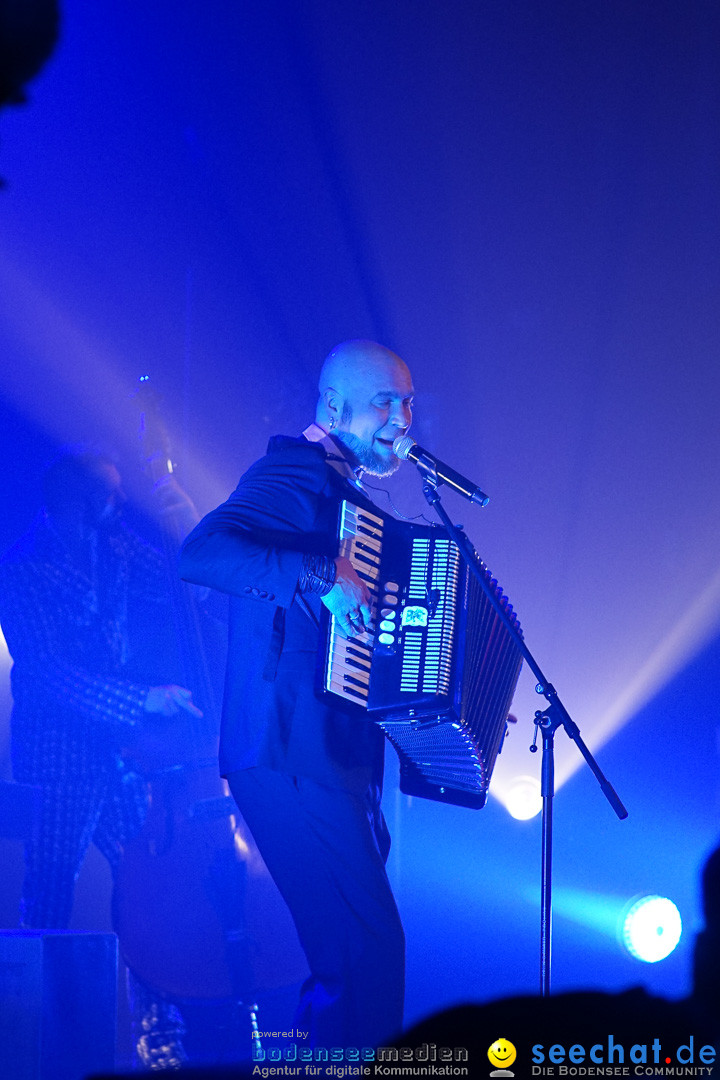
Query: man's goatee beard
[[368, 459]]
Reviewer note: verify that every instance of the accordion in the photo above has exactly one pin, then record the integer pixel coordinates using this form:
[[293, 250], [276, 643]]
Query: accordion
[[437, 669]]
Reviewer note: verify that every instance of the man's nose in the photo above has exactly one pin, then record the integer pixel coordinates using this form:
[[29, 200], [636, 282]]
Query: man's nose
[[401, 416]]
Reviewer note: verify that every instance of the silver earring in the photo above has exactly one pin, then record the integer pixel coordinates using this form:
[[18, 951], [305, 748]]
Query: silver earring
[[333, 422]]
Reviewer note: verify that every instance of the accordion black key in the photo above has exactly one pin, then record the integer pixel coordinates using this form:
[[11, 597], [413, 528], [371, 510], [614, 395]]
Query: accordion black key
[[437, 669]]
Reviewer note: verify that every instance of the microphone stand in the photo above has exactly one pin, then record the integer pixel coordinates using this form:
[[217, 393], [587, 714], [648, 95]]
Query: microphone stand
[[546, 721]]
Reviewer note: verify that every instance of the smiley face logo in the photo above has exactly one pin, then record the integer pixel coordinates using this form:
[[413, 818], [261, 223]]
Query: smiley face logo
[[502, 1053]]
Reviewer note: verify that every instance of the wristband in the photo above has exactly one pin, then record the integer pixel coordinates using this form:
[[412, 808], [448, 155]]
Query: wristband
[[317, 575]]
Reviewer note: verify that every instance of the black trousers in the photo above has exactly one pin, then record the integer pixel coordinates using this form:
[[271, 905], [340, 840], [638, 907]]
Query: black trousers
[[326, 852]]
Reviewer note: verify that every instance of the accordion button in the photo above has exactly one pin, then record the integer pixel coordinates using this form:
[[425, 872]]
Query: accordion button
[[385, 639], [392, 586]]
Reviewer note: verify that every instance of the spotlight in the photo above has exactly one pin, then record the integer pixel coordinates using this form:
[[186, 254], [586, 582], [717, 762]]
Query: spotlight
[[522, 798], [651, 928]]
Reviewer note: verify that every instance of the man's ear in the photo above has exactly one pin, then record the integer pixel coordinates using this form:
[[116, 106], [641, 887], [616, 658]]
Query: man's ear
[[333, 405]]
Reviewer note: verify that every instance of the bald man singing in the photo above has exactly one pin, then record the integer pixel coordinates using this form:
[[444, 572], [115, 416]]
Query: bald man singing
[[306, 776]]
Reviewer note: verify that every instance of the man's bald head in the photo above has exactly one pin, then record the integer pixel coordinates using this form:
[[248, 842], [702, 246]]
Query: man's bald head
[[365, 400], [358, 359]]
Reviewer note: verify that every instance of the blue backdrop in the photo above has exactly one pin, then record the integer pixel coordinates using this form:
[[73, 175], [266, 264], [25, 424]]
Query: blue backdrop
[[521, 199]]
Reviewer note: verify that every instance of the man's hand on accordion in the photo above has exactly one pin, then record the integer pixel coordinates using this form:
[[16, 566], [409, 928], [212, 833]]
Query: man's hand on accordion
[[349, 600]]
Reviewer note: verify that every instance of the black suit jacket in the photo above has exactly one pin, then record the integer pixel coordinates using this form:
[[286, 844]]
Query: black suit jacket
[[252, 547]]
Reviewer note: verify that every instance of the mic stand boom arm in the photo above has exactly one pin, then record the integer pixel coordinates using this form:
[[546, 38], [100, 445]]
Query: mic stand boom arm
[[547, 722]]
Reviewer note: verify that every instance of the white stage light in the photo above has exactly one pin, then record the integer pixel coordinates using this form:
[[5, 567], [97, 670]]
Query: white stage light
[[522, 798], [651, 928]]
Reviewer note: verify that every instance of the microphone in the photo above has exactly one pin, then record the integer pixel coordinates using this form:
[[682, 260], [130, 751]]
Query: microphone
[[407, 449]]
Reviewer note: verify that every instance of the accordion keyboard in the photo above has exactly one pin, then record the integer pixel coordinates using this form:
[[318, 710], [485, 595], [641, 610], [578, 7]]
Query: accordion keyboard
[[349, 660]]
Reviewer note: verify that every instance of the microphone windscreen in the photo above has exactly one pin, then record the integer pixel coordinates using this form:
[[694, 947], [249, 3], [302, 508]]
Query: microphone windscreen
[[402, 446]]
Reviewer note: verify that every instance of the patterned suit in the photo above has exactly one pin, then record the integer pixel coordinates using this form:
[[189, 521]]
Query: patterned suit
[[66, 630], [74, 708]]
